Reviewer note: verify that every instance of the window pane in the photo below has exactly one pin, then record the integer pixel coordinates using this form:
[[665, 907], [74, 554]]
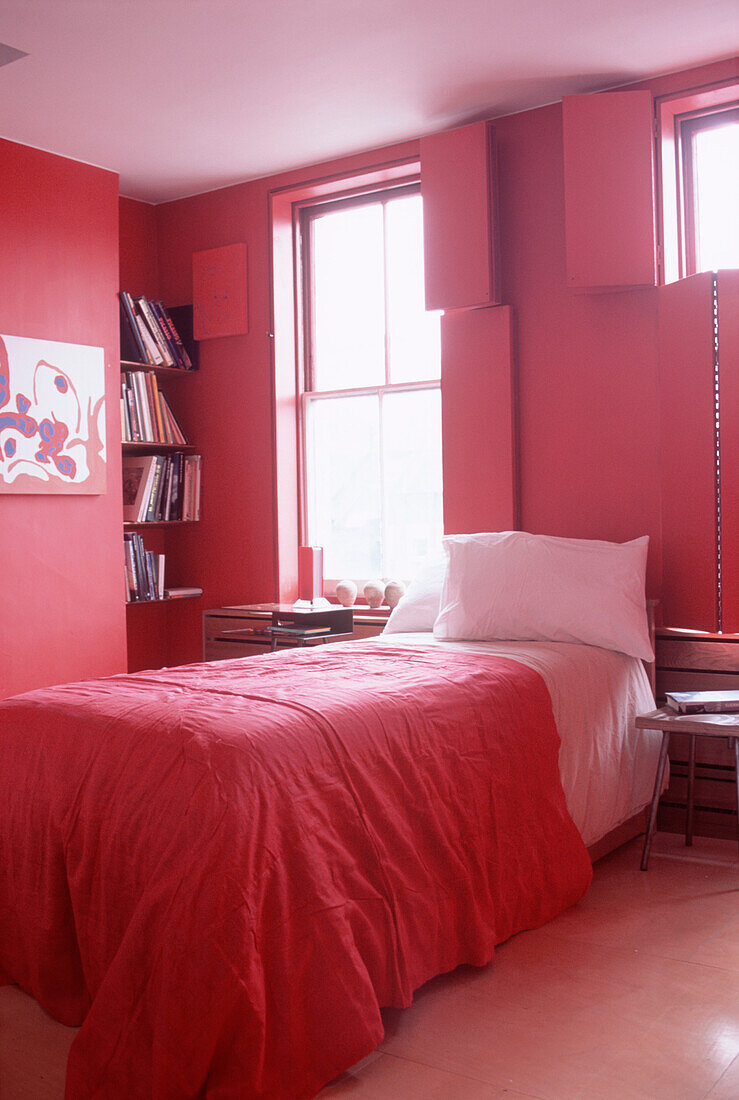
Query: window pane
[[411, 434], [343, 481], [348, 300], [716, 159], [413, 333]]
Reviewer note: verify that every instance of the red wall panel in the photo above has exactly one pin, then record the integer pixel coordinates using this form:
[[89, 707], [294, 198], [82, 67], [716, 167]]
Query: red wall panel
[[728, 352], [459, 203], [586, 365], [138, 256], [478, 430], [688, 448], [609, 189], [61, 559]]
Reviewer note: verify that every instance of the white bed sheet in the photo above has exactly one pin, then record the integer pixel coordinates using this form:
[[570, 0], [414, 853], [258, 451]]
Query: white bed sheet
[[607, 765]]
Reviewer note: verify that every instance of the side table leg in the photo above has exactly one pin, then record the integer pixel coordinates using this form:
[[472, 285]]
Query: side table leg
[[691, 791], [655, 798]]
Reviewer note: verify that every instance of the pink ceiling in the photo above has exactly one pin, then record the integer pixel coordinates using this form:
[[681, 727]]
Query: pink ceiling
[[180, 96]]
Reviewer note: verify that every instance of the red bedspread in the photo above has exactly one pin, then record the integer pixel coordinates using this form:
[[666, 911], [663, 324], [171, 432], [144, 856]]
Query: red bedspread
[[225, 870]]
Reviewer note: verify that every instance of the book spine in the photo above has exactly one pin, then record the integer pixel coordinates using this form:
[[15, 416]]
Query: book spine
[[153, 326], [132, 410], [148, 388], [178, 436], [150, 500], [166, 420], [150, 351], [174, 488], [149, 567], [130, 335], [140, 569], [182, 350], [158, 409], [180, 486], [146, 496], [153, 354], [125, 429], [160, 576], [130, 567], [156, 308], [165, 495], [197, 492], [142, 406]]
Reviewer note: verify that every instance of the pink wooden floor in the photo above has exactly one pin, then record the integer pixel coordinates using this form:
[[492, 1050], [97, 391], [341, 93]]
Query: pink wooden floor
[[632, 994]]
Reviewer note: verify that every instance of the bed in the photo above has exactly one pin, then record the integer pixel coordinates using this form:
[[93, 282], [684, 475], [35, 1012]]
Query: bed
[[222, 872]]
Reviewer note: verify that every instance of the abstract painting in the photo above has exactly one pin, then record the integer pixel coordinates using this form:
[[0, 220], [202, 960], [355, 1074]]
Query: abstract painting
[[52, 417]]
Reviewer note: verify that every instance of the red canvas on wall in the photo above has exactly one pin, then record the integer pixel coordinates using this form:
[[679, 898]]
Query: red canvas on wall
[[219, 292]]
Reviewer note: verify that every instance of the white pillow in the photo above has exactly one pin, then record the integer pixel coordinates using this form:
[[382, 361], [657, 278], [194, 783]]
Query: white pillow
[[417, 610], [513, 585]]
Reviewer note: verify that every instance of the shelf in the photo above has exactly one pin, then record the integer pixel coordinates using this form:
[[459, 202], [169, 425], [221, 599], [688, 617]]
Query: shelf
[[174, 599], [162, 372], [145, 447], [132, 525]]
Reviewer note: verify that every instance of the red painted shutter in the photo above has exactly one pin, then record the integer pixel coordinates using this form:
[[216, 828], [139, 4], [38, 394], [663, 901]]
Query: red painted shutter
[[478, 436], [728, 359], [609, 190], [458, 188]]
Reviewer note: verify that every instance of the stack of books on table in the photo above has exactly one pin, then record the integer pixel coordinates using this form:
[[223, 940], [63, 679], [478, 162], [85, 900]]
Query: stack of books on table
[[146, 416], [703, 702], [144, 570], [148, 334], [159, 488]]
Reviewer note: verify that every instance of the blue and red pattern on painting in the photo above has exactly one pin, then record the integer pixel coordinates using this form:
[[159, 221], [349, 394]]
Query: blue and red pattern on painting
[[52, 433]]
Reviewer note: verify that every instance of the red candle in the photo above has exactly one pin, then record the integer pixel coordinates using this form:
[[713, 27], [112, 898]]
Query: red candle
[[310, 573]]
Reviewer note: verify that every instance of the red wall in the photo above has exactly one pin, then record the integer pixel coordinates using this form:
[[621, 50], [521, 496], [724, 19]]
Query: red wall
[[227, 409], [61, 560], [587, 365], [586, 369]]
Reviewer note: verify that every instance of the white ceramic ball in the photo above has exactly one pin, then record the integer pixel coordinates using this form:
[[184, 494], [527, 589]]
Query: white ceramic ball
[[393, 591], [346, 593], [374, 592]]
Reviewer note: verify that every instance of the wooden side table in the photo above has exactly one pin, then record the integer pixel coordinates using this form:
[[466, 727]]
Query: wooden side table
[[693, 725]]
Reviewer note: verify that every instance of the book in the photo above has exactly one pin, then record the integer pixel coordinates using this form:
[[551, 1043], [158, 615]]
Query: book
[[130, 567], [703, 702], [300, 631], [159, 561], [132, 346], [153, 354], [138, 472], [151, 503], [172, 426], [133, 414], [157, 335], [169, 325], [181, 593], [157, 311], [141, 402]]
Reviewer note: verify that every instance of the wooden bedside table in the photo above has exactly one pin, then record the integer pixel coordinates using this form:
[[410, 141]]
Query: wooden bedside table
[[689, 660], [246, 630], [725, 726]]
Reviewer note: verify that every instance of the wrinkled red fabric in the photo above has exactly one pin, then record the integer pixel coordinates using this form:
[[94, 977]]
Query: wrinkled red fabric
[[223, 871]]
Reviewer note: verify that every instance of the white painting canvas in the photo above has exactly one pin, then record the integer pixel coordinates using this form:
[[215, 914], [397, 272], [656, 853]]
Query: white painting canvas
[[52, 417]]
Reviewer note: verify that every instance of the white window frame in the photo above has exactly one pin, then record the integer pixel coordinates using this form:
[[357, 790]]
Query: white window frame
[[306, 392]]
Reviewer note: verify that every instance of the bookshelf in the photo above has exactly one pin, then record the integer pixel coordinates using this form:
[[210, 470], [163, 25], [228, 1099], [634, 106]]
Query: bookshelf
[[161, 467]]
